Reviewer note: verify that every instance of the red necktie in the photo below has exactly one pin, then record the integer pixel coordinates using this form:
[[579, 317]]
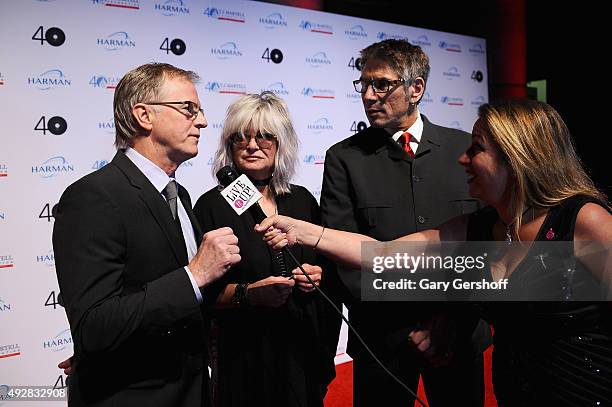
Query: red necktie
[[404, 141]]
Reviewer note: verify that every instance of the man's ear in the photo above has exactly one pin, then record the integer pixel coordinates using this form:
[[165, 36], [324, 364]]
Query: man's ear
[[418, 87], [143, 116]]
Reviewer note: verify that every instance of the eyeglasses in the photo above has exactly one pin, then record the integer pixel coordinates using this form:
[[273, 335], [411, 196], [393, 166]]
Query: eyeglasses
[[378, 85], [263, 140], [192, 108]]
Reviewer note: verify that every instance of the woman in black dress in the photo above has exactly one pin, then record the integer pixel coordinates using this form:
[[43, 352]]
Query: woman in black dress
[[523, 165], [273, 340]]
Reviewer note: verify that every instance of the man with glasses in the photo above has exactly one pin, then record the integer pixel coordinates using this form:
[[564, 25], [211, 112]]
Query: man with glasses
[[400, 176], [131, 260]]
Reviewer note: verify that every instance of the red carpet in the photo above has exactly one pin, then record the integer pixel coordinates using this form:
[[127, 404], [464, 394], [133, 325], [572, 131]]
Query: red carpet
[[340, 392]]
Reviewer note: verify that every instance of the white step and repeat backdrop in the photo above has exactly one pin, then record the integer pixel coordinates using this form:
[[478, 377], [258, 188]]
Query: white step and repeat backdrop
[[60, 61]]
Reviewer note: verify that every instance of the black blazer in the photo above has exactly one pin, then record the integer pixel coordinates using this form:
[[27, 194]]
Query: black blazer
[[136, 325], [371, 186], [250, 333]]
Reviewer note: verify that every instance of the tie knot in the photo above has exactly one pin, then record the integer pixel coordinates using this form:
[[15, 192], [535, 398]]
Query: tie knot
[[404, 138], [404, 141], [171, 190]]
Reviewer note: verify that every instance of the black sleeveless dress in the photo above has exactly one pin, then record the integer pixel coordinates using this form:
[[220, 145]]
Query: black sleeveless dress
[[549, 353]]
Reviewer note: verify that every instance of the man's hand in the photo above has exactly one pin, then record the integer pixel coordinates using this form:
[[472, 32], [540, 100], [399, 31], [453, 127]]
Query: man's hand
[[315, 273], [66, 365], [217, 253], [434, 341], [270, 292]]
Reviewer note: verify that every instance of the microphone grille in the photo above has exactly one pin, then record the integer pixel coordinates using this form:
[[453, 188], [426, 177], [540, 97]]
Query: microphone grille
[[226, 175]]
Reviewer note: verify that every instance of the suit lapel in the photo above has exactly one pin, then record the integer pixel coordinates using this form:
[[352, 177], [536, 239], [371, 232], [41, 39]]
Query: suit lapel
[[156, 205], [430, 138]]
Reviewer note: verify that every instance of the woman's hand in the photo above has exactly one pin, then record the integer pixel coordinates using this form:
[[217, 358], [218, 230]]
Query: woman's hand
[[315, 273], [270, 292], [280, 231]]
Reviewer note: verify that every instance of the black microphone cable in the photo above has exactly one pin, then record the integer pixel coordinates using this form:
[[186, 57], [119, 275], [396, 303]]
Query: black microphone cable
[[226, 176]]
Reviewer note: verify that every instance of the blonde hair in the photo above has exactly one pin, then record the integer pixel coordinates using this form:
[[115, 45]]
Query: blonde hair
[[540, 153], [265, 113]]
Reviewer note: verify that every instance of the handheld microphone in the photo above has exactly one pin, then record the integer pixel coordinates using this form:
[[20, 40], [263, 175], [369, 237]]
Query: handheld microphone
[[228, 175], [242, 195]]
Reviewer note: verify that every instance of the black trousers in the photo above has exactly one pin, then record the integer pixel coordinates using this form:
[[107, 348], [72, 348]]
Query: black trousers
[[461, 383]]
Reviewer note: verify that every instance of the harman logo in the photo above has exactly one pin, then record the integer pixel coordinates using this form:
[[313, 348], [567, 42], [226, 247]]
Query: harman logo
[[316, 27], [452, 73], [318, 59], [451, 101], [6, 351], [320, 125], [116, 41], [53, 167], [449, 46], [421, 41], [386, 36], [225, 15], [226, 50], [316, 193], [455, 125], [216, 125], [60, 342], [316, 93], [478, 101], [355, 32], [186, 164], [314, 159], [171, 8], [273, 20], [229, 88], [6, 261], [47, 259], [476, 49], [108, 126], [4, 306], [278, 88], [104, 82], [129, 4], [51, 79], [3, 170]]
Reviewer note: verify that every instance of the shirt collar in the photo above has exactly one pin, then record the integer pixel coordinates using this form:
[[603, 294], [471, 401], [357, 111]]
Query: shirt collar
[[154, 174], [416, 130]]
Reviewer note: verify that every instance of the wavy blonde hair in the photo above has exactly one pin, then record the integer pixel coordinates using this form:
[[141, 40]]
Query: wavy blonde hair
[[265, 113], [540, 153]]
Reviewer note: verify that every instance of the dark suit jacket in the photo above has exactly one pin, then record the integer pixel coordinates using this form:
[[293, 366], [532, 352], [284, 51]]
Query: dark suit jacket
[[371, 186], [136, 325]]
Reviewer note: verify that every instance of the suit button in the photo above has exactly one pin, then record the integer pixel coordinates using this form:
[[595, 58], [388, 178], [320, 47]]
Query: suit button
[[416, 178], [421, 219]]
